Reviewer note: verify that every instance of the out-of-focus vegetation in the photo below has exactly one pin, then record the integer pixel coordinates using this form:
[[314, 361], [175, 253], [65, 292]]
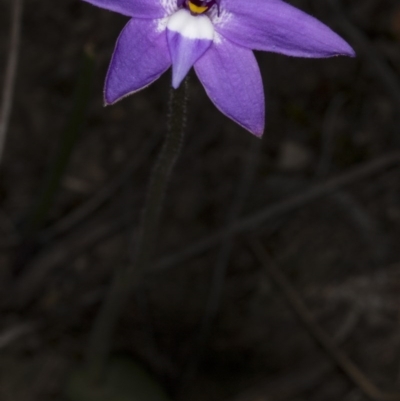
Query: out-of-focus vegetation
[[340, 251]]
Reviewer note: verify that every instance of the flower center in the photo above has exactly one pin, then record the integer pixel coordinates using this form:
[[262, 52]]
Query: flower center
[[197, 7]]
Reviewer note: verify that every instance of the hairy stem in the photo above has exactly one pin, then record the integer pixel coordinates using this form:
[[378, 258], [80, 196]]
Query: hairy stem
[[127, 280]]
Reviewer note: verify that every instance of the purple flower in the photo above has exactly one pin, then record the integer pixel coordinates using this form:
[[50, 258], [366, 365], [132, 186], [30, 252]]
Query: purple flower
[[217, 38]]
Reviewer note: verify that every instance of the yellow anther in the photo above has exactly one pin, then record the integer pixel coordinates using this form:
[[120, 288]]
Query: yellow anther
[[197, 9]]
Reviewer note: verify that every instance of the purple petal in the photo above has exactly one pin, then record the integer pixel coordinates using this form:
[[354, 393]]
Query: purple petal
[[188, 38], [273, 25], [141, 55], [232, 80], [133, 8]]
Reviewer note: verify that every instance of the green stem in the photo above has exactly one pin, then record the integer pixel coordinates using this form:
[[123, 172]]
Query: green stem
[[127, 280]]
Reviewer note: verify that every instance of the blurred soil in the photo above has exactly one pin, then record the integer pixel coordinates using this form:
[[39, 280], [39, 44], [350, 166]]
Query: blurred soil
[[341, 252]]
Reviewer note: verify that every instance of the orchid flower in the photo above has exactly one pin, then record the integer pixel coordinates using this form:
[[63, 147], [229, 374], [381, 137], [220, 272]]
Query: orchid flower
[[217, 38]]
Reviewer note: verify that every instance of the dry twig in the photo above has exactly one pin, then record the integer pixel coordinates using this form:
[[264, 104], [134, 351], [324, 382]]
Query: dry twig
[[280, 208], [13, 333], [11, 70], [321, 337], [65, 250]]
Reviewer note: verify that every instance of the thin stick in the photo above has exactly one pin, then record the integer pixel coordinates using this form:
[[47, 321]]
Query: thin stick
[[321, 337], [11, 71], [47, 261], [280, 208], [125, 282]]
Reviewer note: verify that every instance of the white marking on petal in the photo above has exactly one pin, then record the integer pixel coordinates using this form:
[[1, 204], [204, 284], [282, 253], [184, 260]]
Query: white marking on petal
[[190, 26], [217, 38], [162, 24], [170, 6], [221, 19]]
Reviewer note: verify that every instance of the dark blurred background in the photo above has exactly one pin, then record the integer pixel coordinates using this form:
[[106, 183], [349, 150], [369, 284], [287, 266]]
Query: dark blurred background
[[340, 251]]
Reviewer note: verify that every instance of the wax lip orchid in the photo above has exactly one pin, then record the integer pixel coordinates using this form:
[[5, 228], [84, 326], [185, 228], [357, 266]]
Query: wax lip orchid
[[217, 38]]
